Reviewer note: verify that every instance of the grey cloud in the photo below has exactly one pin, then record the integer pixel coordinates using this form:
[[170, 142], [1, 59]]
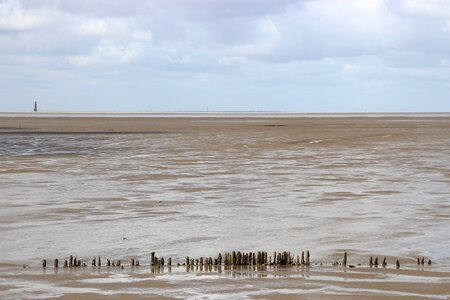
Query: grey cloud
[[195, 44]]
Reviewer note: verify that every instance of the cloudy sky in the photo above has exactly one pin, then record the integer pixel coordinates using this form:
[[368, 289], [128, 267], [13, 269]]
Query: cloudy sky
[[187, 55]]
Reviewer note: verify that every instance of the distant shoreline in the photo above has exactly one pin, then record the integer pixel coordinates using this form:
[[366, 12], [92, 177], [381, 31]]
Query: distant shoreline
[[223, 114]]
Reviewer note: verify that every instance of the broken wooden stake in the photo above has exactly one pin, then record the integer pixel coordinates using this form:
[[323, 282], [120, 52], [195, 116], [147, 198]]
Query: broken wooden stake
[[344, 262]]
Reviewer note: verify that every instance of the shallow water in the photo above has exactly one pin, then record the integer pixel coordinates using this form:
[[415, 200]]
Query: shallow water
[[223, 283], [367, 187]]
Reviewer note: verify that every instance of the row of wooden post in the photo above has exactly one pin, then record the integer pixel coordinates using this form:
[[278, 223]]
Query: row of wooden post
[[238, 258], [373, 262], [234, 258], [421, 261]]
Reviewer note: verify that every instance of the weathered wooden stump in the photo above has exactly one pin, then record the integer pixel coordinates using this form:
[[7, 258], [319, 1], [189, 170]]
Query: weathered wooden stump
[[152, 258], [56, 264], [44, 263], [344, 261]]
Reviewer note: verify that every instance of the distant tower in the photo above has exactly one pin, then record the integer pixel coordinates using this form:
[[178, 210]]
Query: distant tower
[[35, 106]]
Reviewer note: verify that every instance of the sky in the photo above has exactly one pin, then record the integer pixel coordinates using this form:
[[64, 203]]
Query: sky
[[225, 55]]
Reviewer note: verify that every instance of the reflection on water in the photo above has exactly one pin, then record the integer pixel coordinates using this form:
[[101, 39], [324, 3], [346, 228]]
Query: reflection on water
[[199, 193]]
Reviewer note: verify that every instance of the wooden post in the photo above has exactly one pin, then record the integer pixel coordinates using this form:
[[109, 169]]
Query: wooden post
[[66, 263], [422, 262], [429, 262], [44, 263], [376, 262], [187, 261], [75, 262], [79, 263], [371, 262], [384, 262], [132, 262], [137, 263], [303, 258], [93, 262], [99, 262], [418, 261], [56, 263], [308, 262], [344, 262], [71, 261], [169, 261], [152, 258], [398, 264], [108, 262]]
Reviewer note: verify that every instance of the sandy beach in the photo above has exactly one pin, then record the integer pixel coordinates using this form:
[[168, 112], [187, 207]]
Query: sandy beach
[[123, 186]]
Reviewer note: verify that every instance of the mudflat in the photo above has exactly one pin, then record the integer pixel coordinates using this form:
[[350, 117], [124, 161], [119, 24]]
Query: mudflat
[[195, 185]]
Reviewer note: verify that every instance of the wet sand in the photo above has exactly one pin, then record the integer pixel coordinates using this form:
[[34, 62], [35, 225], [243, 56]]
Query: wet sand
[[197, 185], [319, 282]]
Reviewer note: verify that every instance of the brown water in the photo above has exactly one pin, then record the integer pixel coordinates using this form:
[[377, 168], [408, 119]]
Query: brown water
[[199, 186]]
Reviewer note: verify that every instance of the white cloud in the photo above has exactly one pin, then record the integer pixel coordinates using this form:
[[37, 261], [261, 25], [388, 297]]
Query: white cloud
[[423, 8], [14, 17], [112, 28], [270, 37]]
